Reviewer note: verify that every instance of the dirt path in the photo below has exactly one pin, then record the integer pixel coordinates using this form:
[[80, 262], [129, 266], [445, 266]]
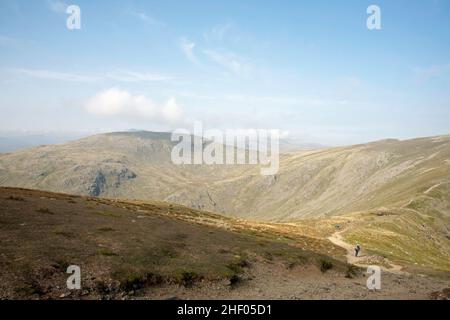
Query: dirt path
[[361, 261], [433, 187]]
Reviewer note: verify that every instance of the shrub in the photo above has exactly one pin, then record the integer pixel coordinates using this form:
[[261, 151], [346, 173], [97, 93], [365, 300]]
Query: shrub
[[106, 252], [238, 265], [31, 286], [140, 281], [268, 256], [105, 229], [135, 280], [351, 271], [101, 287], [234, 279], [44, 210], [325, 265], [14, 198], [61, 265], [187, 278]]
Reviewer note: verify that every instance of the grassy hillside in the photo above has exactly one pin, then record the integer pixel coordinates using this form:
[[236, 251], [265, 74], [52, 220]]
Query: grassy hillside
[[128, 246], [416, 234], [157, 250]]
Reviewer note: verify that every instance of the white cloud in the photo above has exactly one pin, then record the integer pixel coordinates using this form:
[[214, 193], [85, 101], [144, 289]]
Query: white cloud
[[117, 102], [229, 60], [187, 47]]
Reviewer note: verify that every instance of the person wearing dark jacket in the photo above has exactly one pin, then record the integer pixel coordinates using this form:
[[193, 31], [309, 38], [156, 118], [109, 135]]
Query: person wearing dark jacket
[[357, 249]]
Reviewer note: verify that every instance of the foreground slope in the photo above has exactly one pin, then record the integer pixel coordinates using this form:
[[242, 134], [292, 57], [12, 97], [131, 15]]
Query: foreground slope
[[133, 249]]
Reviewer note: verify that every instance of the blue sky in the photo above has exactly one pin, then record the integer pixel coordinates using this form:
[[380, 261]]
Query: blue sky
[[310, 68]]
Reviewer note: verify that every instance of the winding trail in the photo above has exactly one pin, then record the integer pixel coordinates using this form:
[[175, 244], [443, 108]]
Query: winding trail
[[337, 239]]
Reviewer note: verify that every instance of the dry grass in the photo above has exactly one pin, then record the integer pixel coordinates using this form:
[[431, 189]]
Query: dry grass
[[128, 246]]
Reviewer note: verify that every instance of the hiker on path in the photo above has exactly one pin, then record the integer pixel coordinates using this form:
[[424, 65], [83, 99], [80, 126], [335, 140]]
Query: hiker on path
[[357, 249]]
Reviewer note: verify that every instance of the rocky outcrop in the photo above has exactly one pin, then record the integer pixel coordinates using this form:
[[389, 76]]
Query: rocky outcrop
[[98, 185], [109, 177]]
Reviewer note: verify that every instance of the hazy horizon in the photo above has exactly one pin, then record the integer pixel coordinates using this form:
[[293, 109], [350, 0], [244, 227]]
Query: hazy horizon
[[11, 141]]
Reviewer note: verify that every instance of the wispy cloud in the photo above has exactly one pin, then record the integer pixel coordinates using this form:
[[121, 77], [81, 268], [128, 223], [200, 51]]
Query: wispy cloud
[[57, 6], [218, 32], [187, 47], [117, 102], [133, 76], [116, 75], [55, 75], [147, 19], [352, 82], [229, 60], [422, 75], [6, 41], [248, 99]]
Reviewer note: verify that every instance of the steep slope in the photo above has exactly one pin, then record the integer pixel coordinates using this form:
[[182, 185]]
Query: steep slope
[[355, 178]]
